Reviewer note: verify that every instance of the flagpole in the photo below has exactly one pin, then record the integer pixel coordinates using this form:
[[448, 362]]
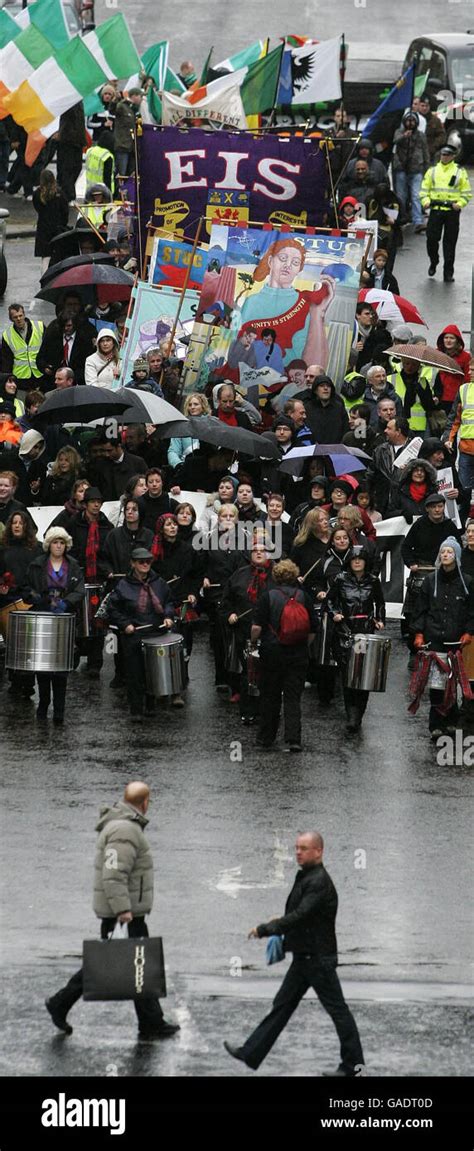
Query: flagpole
[[342, 73], [137, 187], [183, 289]]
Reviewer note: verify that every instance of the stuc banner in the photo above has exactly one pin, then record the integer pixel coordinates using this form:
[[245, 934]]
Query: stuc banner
[[276, 300], [284, 176]]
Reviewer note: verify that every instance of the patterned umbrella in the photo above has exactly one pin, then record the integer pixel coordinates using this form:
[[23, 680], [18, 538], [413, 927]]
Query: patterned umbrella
[[424, 354]]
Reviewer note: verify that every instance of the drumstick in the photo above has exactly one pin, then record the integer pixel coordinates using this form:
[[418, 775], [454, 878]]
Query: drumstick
[[241, 616], [173, 579], [311, 569]]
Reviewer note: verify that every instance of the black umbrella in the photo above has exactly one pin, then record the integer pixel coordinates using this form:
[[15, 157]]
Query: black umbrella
[[71, 262], [145, 408], [79, 405], [213, 431], [69, 243]]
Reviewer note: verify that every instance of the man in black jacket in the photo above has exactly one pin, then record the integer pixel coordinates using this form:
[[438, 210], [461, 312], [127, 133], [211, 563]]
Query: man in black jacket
[[116, 468], [308, 926], [325, 412]]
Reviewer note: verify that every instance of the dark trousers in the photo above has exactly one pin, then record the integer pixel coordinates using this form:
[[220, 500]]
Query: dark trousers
[[323, 676], [355, 700], [148, 1009], [55, 682], [69, 159], [217, 642], [133, 664], [321, 975], [435, 719], [283, 675], [449, 222], [93, 648]]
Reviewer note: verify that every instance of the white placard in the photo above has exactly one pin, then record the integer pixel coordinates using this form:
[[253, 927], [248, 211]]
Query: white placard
[[409, 453]]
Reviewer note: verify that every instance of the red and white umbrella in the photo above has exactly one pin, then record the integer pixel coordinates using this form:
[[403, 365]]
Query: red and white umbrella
[[391, 307]]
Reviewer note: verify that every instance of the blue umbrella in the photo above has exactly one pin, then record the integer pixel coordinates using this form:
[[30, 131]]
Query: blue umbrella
[[343, 459]]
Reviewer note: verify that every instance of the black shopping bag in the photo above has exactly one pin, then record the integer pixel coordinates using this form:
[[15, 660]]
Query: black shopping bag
[[123, 968]]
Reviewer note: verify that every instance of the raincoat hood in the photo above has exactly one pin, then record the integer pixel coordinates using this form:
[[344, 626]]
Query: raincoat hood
[[120, 810], [450, 330]]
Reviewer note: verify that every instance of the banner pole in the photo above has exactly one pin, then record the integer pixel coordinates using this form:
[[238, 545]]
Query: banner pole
[[137, 186], [183, 290], [89, 222]]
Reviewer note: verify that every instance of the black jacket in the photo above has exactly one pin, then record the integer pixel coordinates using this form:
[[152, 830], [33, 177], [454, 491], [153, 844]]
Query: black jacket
[[16, 558], [328, 423], [123, 602], [422, 543], [306, 555], [37, 580], [120, 543], [219, 563], [51, 353], [352, 597], [79, 531], [267, 615], [52, 220], [151, 508], [112, 478], [309, 922], [444, 610], [235, 598], [180, 560]]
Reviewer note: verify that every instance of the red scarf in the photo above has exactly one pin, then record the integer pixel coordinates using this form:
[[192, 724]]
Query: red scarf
[[92, 547], [257, 583], [229, 418], [418, 492], [158, 545], [148, 600]]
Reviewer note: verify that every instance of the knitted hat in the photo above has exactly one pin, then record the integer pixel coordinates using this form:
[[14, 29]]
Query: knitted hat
[[29, 441], [450, 542], [283, 422], [93, 494], [140, 365], [321, 482], [7, 408], [56, 533]]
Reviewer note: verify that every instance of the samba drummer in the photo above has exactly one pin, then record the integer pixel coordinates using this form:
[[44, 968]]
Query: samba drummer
[[139, 605], [180, 565], [89, 531], [240, 596], [56, 585], [443, 621], [355, 600], [419, 550]]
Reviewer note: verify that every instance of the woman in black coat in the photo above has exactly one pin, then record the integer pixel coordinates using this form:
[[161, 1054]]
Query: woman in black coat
[[417, 481], [19, 547], [56, 585], [444, 614], [53, 214], [241, 593], [177, 562], [220, 557], [356, 600]]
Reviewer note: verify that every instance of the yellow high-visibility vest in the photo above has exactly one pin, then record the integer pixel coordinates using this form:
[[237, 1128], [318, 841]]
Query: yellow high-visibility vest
[[96, 159], [417, 418], [445, 185], [466, 395], [24, 355]]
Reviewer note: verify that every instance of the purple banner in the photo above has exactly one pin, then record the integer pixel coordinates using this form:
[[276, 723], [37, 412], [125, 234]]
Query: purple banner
[[284, 176]]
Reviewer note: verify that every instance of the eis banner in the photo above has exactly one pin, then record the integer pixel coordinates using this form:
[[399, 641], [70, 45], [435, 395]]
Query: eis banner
[[285, 177], [277, 300]]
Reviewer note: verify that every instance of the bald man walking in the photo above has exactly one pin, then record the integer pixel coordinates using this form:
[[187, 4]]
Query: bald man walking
[[123, 892], [308, 927]]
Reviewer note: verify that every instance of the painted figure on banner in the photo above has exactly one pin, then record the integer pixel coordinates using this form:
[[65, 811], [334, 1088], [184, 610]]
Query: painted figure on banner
[[290, 298]]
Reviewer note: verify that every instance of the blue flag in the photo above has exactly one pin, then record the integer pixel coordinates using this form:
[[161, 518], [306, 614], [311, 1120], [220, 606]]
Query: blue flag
[[399, 98]]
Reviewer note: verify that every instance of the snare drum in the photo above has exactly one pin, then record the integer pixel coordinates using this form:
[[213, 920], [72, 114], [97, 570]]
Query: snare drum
[[165, 670], [367, 667], [87, 623]]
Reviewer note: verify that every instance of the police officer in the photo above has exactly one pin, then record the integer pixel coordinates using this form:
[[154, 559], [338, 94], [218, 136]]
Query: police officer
[[100, 163], [445, 190]]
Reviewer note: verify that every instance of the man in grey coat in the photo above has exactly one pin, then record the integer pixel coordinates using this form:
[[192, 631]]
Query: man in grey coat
[[123, 892]]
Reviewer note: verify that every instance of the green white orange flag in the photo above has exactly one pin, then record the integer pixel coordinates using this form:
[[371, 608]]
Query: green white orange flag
[[83, 65], [47, 16], [244, 58], [9, 29], [20, 58]]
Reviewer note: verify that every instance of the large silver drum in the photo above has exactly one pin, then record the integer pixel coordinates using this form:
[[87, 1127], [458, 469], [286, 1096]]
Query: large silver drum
[[368, 663], [40, 641], [165, 671]]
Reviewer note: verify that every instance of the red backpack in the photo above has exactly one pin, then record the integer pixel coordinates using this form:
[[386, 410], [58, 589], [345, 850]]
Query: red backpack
[[294, 625]]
